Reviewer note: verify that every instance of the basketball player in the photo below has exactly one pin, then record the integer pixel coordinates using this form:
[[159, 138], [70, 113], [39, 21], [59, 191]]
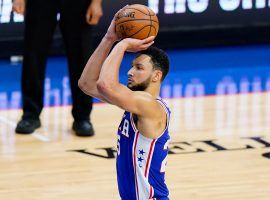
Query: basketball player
[[143, 137]]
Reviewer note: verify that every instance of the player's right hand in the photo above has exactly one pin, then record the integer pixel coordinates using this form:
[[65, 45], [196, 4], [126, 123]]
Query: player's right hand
[[18, 6], [135, 45], [111, 33]]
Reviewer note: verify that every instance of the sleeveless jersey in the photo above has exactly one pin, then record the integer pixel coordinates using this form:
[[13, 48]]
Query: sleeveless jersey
[[141, 161]]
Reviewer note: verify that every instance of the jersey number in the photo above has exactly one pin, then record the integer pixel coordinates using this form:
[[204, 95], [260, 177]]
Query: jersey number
[[164, 162]]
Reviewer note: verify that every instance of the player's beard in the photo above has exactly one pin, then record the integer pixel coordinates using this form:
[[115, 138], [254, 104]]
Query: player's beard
[[140, 86]]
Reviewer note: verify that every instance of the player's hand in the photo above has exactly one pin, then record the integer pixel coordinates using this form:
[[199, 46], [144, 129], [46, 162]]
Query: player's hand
[[135, 45], [111, 33], [94, 12], [18, 6]]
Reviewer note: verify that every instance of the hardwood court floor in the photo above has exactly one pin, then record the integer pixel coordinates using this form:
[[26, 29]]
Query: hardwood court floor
[[220, 149]]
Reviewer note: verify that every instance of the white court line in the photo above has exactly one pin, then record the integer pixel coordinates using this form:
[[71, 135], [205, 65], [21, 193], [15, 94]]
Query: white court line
[[35, 134], [8, 122], [40, 137]]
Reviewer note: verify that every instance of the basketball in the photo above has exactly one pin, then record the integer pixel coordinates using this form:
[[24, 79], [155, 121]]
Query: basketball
[[136, 21]]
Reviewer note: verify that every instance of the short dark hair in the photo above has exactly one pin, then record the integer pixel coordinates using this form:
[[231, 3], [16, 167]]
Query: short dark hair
[[159, 59]]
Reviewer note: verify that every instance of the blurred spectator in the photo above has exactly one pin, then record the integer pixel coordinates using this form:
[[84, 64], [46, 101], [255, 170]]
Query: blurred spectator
[[77, 19]]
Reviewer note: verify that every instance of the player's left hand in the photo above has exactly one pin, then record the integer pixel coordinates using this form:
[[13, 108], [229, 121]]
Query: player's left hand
[[94, 12], [111, 33], [135, 45]]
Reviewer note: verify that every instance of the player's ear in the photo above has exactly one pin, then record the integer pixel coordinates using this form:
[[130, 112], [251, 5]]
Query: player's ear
[[157, 76]]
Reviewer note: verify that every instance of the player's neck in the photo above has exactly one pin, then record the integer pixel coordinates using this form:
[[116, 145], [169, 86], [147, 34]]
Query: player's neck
[[154, 90]]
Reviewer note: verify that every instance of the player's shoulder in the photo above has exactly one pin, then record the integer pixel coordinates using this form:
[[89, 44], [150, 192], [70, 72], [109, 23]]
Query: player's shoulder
[[149, 99], [144, 95], [146, 101]]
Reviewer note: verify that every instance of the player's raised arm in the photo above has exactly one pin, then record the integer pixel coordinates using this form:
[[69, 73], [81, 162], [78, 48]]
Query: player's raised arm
[[139, 102], [90, 75]]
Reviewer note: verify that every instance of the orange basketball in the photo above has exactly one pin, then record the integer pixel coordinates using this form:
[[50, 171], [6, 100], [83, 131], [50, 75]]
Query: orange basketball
[[136, 21]]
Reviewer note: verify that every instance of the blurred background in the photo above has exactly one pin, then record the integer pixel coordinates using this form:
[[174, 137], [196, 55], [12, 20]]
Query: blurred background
[[183, 23], [216, 47]]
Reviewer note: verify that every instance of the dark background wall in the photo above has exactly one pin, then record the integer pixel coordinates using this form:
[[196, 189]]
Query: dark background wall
[[183, 24]]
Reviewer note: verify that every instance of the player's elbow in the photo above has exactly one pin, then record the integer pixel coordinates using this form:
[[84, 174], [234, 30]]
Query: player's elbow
[[104, 88], [82, 84], [85, 86]]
